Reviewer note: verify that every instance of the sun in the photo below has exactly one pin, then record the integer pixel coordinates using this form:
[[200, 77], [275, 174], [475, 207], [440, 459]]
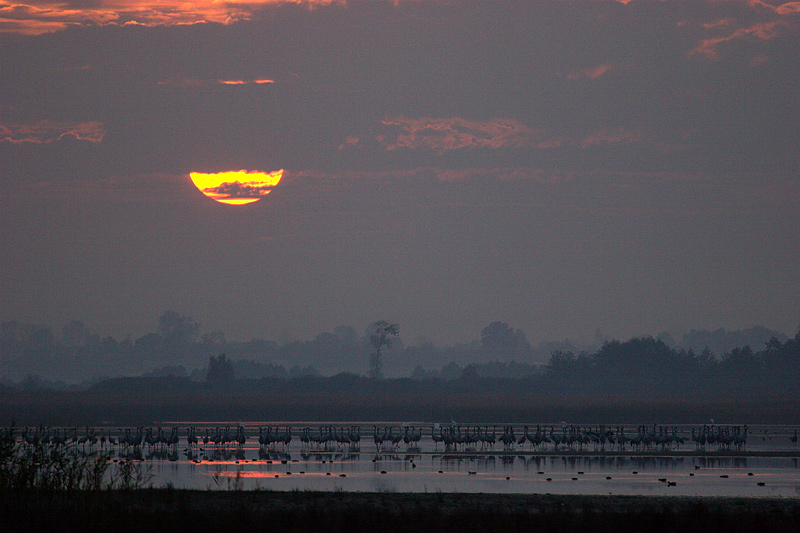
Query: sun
[[236, 187]]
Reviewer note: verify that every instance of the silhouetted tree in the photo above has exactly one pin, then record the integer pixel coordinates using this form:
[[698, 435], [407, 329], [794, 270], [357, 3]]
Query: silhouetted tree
[[382, 333], [500, 339], [74, 333], [220, 370], [177, 329], [346, 334]]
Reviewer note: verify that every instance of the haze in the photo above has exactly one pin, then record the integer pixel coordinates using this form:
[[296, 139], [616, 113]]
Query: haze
[[565, 167]]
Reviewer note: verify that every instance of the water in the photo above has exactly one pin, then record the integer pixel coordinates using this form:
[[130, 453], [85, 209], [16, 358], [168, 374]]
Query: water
[[767, 466], [423, 472]]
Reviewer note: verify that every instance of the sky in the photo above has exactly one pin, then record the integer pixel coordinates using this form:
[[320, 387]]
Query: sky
[[574, 168]]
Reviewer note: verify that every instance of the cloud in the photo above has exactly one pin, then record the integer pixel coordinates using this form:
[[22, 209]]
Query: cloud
[[590, 73], [241, 190], [185, 83], [456, 133], [48, 131], [449, 134], [606, 136], [49, 16], [764, 31], [246, 82], [536, 175]]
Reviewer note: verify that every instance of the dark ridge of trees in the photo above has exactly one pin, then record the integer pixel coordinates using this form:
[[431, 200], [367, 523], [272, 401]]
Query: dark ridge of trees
[[146, 385], [640, 368]]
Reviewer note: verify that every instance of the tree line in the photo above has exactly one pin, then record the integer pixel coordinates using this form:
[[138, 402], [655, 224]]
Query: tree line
[[500, 358]]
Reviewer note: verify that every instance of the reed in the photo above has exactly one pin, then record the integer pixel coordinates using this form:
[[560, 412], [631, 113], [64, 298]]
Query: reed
[[44, 468]]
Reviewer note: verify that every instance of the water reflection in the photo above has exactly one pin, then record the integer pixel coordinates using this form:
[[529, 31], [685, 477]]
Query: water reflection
[[251, 463]]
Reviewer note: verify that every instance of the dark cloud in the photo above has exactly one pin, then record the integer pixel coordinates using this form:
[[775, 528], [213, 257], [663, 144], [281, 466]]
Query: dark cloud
[[241, 190]]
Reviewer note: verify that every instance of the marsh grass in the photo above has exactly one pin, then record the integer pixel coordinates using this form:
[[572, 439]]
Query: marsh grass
[[42, 467]]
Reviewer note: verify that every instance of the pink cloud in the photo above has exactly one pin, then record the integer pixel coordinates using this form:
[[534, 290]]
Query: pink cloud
[[34, 18]]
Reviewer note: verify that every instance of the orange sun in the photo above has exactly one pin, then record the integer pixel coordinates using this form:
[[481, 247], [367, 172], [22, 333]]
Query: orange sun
[[236, 187]]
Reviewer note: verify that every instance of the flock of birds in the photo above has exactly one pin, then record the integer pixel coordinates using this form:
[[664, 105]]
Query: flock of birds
[[451, 438]]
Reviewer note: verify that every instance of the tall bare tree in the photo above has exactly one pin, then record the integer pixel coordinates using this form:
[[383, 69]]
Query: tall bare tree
[[382, 333]]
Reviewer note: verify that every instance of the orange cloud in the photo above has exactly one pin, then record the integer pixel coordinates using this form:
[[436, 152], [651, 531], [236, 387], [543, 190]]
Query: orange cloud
[[764, 31], [45, 16], [245, 82], [48, 131]]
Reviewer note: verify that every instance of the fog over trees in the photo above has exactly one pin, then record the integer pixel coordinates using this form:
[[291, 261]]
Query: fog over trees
[[751, 361]]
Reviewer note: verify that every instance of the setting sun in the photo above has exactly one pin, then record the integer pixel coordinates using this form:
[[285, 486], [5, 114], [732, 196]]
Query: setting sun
[[236, 187]]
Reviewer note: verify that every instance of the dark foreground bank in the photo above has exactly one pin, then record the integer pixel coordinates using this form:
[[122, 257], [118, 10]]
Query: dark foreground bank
[[167, 509]]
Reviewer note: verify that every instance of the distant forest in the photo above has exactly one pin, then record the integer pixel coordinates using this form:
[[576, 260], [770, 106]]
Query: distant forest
[[707, 364]]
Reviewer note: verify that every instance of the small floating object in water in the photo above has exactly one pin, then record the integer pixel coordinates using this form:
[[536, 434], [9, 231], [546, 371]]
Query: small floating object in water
[[691, 474], [671, 483], [662, 479], [580, 473], [540, 472], [749, 473], [327, 473], [760, 483], [724, 475], [608, 477], [441, 471], [383, 471], [276, 475], [302, 472], [471, 473], [342, 475], [574, 479], [507, 478], [288, 473], [549, 479], [635, 472]]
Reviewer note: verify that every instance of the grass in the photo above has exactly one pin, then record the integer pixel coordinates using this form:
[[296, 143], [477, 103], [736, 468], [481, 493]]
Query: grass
[[45, 468]]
